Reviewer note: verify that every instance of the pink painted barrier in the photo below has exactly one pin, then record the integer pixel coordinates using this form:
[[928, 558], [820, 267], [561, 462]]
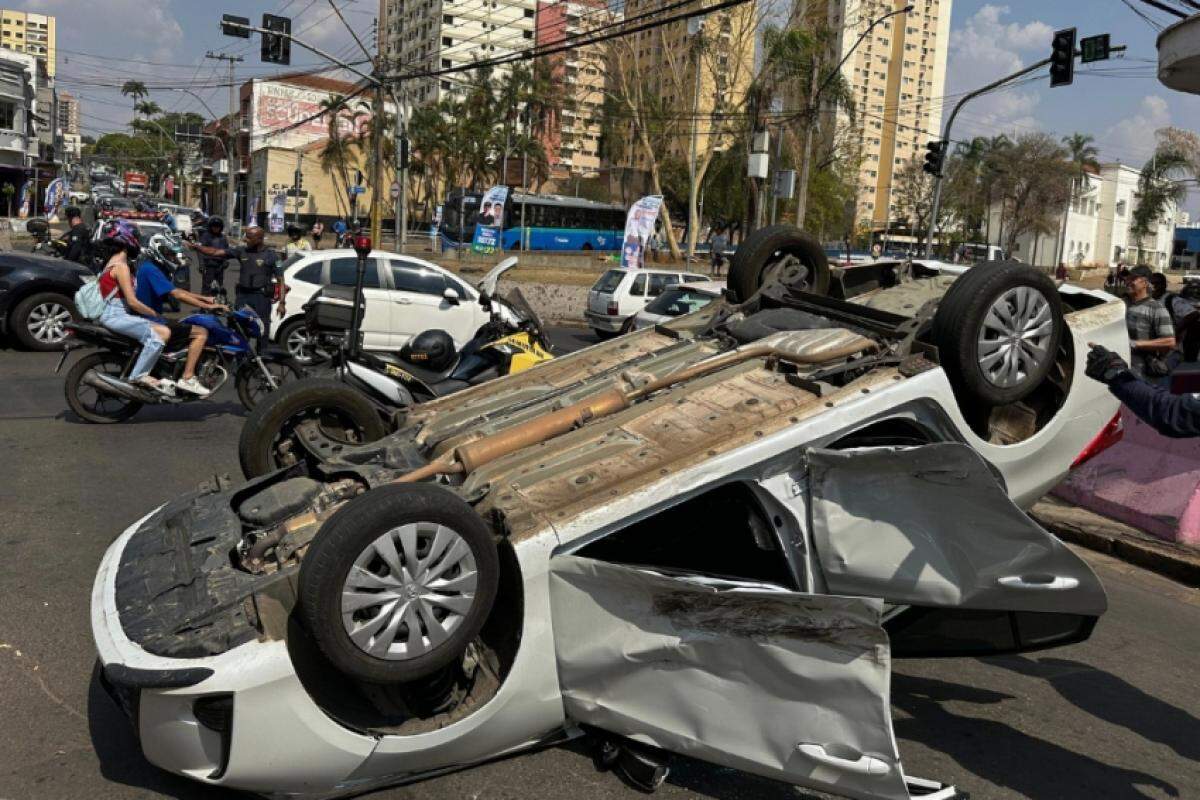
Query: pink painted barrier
[[1146, 480]]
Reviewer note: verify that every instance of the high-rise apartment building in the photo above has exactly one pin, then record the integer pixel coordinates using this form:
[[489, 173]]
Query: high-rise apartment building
[[29, 33], [572, 135], [68, 112], [426, 35], [898, 76]]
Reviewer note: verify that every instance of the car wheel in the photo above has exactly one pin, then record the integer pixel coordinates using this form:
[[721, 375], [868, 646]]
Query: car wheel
[[300, 344], [398, 582], [252, 385], [91, 404], [270, 436], [779, 252], [997, 330], [603, 335], [39, 321], [627, 326]]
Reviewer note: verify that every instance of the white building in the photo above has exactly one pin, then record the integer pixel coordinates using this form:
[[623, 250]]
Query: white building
[[1095, 229], [18, 108], [427, 35]]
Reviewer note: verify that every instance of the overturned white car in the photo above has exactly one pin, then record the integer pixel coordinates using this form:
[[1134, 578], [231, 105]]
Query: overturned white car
[[711, 536]]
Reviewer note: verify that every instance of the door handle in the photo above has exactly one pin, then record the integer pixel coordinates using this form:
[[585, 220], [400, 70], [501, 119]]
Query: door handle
[[863, 765], [1043, 583], [404, 301]]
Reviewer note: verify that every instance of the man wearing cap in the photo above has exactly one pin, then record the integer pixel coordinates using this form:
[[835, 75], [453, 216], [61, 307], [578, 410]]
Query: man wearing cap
[[1151, 332], [259, 271], [78, 237]]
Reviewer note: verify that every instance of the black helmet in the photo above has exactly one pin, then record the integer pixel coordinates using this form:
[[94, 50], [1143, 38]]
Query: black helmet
[[215, 222], [72, 211], [432, 350], [294, 230]]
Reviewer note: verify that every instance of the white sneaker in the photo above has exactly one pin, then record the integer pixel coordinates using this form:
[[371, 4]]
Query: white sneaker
[[162, 386], [194, 386]]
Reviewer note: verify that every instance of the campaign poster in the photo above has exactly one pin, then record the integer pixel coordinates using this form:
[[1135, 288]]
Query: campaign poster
[[490, 222], [639, 227], [53, 199], [275, 218], [26, 197], [252, 211]]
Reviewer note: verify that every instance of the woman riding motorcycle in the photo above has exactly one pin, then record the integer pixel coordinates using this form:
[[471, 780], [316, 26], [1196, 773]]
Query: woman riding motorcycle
[[119, 290]]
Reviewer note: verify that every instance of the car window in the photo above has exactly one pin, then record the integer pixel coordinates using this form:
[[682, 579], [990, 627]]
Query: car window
[[658, 282], [344, 272], [639, 286], [310, 273], [675, 301], [409, 278], [458, 288], [689, 277], [609, 281]]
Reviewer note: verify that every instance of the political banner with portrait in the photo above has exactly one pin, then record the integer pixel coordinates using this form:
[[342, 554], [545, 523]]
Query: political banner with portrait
[[275, 218], [490, 222], [639, 227]]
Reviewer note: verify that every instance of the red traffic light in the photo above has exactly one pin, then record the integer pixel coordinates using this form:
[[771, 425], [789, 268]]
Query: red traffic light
[[362, 245]]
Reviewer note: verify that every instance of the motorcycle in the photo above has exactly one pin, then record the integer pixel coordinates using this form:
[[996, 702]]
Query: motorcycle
[[97, 389], [363, 395], [43, 244]]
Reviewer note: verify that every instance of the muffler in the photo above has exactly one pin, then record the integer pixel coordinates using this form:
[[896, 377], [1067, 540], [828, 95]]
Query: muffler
[[110, 385]]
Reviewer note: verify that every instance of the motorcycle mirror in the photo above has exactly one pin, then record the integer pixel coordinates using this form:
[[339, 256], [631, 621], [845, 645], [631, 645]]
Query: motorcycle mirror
[[362, 245]]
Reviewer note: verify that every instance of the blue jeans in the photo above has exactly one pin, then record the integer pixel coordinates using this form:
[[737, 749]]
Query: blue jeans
[[118, 320]]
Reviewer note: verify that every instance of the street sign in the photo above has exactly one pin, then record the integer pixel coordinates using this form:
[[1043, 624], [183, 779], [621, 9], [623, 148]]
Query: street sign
[[231, 30], [357, 190], [395, 190], [1094, 48]]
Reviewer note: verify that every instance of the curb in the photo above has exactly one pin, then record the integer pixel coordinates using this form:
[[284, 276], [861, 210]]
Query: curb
[[1079, 526]]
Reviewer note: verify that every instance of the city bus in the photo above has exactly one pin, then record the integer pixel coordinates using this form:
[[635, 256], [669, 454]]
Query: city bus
[[552, 222]]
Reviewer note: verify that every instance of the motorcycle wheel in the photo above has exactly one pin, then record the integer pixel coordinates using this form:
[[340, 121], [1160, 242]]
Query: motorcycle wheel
[[269, 437], [252, 385], [90, 404]]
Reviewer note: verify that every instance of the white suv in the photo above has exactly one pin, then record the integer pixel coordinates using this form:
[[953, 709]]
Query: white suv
[[621, 293], [405, 296]]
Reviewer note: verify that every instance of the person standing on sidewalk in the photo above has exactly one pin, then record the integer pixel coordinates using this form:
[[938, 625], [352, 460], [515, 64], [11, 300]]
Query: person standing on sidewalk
[[1151, 332], [720, 243]]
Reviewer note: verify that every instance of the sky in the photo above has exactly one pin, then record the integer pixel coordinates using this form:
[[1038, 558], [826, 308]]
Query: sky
[[102, 43]]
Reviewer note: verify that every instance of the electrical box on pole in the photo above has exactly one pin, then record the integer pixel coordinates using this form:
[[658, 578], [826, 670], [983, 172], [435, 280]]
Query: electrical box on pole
[[230, 26], [1062, 58], [276, 49], [935, 156]]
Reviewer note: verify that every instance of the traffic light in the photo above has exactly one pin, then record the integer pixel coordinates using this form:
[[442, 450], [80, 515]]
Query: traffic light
[[1062, 58], [276, 49], [299, 181], [935, 154], [403, 152]]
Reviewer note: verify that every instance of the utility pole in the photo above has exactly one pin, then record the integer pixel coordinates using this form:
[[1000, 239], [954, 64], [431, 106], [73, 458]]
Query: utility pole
[[297, 180], [235, 123], [401, 170], [696, 32]]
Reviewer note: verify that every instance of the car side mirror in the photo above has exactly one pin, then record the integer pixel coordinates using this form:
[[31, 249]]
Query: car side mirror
[[450, 296]]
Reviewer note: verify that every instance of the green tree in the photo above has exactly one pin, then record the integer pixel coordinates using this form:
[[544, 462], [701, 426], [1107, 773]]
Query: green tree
[[1159, 191], [1033, 180], [135, 89], [8, 191]]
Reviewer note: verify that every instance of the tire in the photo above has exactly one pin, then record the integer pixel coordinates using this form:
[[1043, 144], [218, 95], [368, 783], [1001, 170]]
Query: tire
[[91, 405], [293, 337], [985, 306], [764, 256], [251, 384], [397, 523], [347, 416], [37, 321], [627, 325], [604, 335]]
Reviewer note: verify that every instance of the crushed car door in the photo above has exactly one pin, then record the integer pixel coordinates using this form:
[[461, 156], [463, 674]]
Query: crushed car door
[[785, 685], [931, 529]]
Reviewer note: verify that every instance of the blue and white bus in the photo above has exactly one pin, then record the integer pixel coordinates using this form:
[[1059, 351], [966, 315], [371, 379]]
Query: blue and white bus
[[552, 222]]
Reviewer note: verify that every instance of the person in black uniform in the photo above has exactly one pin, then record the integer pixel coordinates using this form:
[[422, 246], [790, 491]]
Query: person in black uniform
[[259, 271], [212, 266], [78, 237], [1173, 415]]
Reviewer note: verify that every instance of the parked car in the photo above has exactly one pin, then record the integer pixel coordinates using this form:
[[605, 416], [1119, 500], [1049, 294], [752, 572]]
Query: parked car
[[713, 535], [675, 301], [621, 293], [404, 297], [37, 298]]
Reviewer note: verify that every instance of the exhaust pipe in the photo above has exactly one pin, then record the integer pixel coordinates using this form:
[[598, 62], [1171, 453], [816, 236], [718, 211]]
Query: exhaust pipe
[[110, 385]]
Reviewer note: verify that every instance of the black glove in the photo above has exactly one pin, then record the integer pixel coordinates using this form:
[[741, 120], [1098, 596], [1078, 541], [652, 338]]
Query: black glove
[[1104, 365]]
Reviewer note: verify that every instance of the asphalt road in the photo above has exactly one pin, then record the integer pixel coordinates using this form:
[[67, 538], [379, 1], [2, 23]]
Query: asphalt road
[[1116, 717]]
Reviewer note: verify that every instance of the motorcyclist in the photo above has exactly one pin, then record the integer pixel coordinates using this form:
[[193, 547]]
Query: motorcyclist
[[160, 258], [1173, 415], [260, 270], [78, 237], [118, 288], [212, 266]]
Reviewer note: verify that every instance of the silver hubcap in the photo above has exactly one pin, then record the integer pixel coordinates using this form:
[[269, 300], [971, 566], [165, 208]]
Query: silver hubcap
[[301, 345], [1014, 341], [408, 591], [46, 322]]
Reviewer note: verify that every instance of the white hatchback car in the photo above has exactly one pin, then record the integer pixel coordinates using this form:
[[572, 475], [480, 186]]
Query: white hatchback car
[[404, 295], [621, 293]]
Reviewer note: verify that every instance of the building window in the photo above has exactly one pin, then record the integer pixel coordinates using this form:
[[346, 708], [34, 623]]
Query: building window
[[8, 115], [447, 19], [447, 41]]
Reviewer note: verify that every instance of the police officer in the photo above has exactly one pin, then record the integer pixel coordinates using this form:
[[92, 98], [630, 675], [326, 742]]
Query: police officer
[[78, 237], [259, 271], [1174, 415], [212, 266]]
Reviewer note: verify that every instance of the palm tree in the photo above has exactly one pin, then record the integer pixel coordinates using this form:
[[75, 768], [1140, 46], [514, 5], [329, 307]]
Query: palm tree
[[338, 149], [147, 108], [1158, 190], [1082, 156], [135, 89]]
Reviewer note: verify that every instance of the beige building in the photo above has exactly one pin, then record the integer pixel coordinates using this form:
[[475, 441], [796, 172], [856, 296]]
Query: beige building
[[29, 33], [323, 193], [68, 113], [898, 75], [424, 35]]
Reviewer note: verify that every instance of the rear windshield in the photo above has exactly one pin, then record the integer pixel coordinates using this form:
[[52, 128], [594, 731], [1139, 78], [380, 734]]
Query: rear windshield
[[609, 281], [675, 302]]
